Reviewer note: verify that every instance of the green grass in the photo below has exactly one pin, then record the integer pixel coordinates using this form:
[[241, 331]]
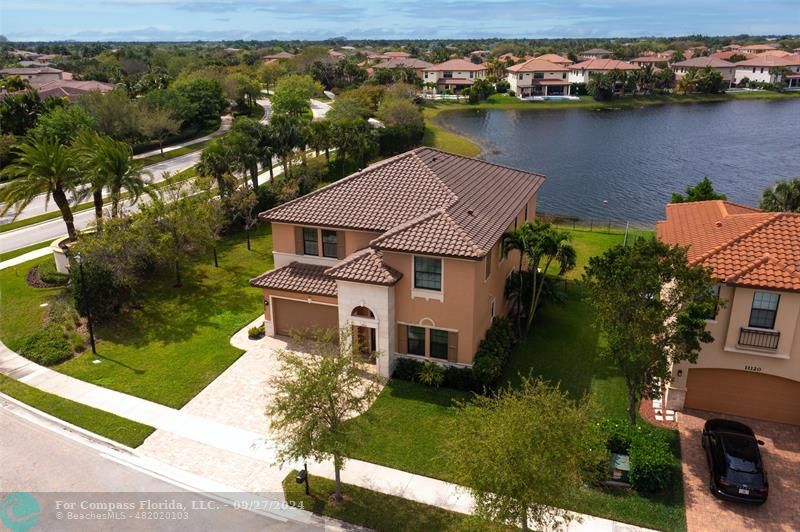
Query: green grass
[[437, 137], [377, 511], [408, 420], [6, 255], [171, 154], [111, 426], [178, 341]]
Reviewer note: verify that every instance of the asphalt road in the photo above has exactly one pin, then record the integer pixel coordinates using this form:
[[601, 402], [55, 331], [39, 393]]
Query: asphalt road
[[53, 467]]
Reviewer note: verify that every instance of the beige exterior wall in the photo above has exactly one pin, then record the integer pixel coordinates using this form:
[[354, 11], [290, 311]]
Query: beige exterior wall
[[725, 353], [516, 80], [284, 246], [725, 72]]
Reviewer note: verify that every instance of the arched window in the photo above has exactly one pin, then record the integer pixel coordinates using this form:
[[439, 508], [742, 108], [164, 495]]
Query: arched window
[[362, 312]]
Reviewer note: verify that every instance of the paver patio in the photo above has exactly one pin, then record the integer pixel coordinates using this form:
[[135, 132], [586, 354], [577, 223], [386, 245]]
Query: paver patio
[[781, 455]]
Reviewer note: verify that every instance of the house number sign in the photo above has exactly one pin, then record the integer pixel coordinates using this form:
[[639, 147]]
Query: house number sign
[[752, 368]]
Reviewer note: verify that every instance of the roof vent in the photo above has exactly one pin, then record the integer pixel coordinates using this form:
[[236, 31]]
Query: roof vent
[[471, 212], [718, 223], [433, 159]]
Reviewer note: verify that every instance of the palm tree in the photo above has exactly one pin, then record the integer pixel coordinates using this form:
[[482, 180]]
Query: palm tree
[[517, 241], [215, 161], [83, 149], [784, 196], [114, 159], [43, 166]]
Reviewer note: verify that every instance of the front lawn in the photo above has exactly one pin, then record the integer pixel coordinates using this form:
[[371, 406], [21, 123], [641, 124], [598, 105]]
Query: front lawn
[[177, 340], [408, 422], [377, 511], [100, 422]]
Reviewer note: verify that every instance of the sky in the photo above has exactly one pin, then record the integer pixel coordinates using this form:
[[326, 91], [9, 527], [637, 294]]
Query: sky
[[178, 20]]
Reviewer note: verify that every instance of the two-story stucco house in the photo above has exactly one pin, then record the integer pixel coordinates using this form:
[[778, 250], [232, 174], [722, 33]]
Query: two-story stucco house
[[453, 75], [406, 252], [581, 72], [769, 69], [752, 368], [536, 77], [725, 68]]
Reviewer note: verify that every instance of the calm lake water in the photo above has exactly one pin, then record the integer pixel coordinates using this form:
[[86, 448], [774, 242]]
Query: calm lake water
[[634, 159]]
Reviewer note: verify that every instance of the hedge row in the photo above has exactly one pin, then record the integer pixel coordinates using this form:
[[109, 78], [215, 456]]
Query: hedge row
[[651, 461]]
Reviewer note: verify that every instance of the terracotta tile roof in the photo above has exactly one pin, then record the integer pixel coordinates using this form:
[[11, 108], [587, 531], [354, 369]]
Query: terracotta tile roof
[[403, 62], [649, 59], [70, 88], [743, 246], [775, 53], [427, 195], [365, 266], [759, 47], [29, 71], [555, 58], [395, 54], [770, 61], [595, 51], [730, 53], [536, 65], [703, 62], [298, 277], [280, 55], [603, 64], [456, 64]]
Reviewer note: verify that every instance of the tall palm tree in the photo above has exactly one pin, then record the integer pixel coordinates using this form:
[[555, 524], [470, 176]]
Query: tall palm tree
[[516, 240], [784, 196], [215, 161], [43, 166], [83, 148], [114, 159]]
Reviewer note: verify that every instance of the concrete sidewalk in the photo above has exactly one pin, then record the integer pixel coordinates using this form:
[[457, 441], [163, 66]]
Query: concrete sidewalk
[[224, 125], [231, 454], [25, 257]]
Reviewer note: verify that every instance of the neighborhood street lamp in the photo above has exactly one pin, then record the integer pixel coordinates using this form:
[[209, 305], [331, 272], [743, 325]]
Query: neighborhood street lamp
[[79, 259]]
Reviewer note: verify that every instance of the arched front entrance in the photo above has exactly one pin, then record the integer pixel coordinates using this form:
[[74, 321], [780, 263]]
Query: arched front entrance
[[364, 330]]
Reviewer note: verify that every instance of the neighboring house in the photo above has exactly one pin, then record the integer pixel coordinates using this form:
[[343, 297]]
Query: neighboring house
[[728, 54], [645, 60], [280, 56], [406, 253], [758, 48], [763, 68], [394, 55], [775, 53], [453, 75], [536, 77], [752, 368], [580, 72], [418, 65], [555, 59], [35, 75], [508, 57], [70, 88], [594, 53], [725, 68]]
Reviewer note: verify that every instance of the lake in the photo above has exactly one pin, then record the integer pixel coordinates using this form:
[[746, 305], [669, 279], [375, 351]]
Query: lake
[[623, 165]]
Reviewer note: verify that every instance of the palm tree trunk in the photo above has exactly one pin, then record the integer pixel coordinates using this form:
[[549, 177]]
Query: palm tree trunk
[[97, 199], [631, 402], [254, 175], [66, 213], [177, 274]]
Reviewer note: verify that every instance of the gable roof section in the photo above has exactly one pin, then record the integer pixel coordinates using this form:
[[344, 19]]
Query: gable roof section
[[298, 277], [555, 58], [770, 61], [456, 64], [537, 65], [603, 64], [403, 62], [424, 200], [365, 266], [743, 246], [705, 61]]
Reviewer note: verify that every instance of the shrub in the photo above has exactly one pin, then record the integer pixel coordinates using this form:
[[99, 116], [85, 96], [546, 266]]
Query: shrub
[[512, 93], [430, 374], [461, 379], [255, 332], [487, 368], [651, 464], [618, 435], [48, 274], [406, 369], [501, 87], [46, 347]]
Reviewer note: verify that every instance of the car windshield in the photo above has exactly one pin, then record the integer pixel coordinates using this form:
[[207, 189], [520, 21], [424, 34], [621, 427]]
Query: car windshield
[[741, 451]]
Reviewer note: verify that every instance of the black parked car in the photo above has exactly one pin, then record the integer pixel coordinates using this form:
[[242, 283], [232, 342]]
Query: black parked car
[[734, 461]]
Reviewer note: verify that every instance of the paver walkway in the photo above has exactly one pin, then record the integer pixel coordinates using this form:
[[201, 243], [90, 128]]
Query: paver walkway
[[227, 440]]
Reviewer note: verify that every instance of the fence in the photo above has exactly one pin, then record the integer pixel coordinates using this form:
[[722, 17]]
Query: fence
[[597, 225]]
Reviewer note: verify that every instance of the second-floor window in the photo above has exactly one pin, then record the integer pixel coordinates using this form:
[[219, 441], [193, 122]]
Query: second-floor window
[[310, 243], [428, 273], [329, 244], [764, 310], [447, 74], [538, 75]]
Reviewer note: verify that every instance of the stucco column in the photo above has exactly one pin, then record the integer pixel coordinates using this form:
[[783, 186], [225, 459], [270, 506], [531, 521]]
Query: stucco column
[[379, 300]]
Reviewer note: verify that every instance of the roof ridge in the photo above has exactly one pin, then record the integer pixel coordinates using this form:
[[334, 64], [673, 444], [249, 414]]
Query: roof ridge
[[737, 238], [408, 224], [747, 269], [339, 182], [741, 205]]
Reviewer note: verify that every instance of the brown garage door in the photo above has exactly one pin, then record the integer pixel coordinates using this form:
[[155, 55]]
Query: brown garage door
[[745, 394], [293, 316]]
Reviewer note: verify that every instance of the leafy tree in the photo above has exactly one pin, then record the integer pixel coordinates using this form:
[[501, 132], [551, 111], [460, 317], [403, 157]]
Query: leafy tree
[[243, 203], [784, 196], [349, 107], [315, 392], [289, 132], [19, 112], [480, 90], [244, 143], [42, 166], [215, 161], [175, 103], [702, 191], [292, 94], [15, 84], [523, 452], [650, 307], [63, 123], [113, 114], [158, 124], [320, 138], [601, 86], [701, 80], [206, 94], [356, 140]]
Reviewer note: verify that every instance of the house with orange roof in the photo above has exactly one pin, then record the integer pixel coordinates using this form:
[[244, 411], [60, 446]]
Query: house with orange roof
[[454, 75], [725, 68], [536, 77], [580, 72], [556, 59], [644, 60], [752, 368], [770, 69], [405, 253], [508, 57], [758, 48], [594, 53]]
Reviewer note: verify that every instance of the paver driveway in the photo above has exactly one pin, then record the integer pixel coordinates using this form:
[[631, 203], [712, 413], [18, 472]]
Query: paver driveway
[[781, 455]]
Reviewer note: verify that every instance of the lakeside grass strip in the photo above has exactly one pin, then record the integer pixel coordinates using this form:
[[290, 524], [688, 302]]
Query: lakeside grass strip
[[111, 426]]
